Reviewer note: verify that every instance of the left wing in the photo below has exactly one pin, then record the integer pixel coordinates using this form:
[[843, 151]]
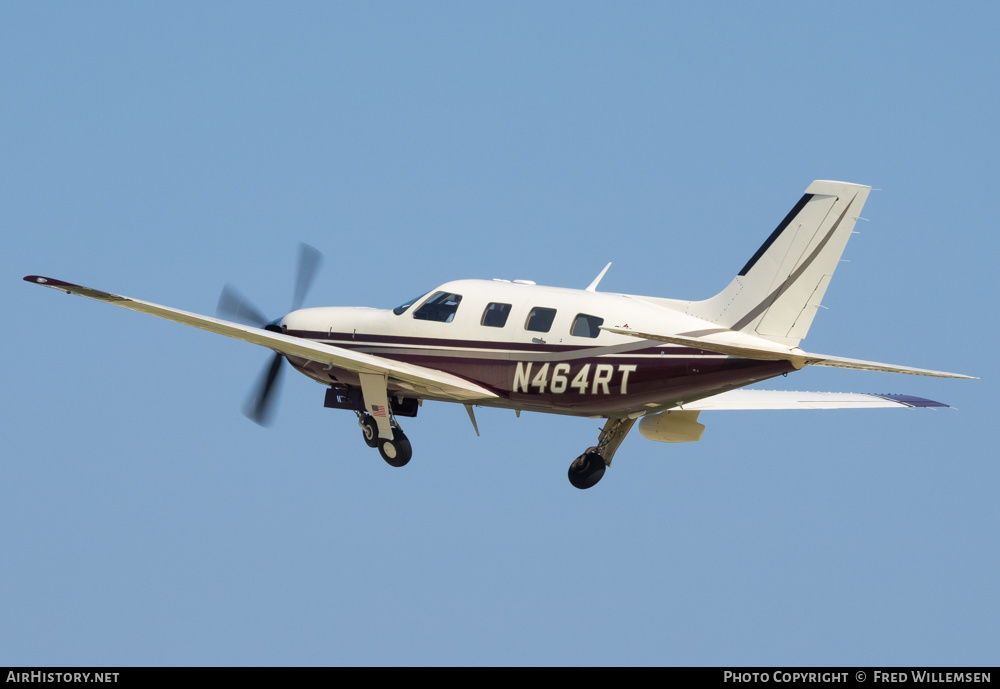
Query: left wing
[[419, 378], [744, 399]]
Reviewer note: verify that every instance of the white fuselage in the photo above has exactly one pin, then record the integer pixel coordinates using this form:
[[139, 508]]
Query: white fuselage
[[549, 354]]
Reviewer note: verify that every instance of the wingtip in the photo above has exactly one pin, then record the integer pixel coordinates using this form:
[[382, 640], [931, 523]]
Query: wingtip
[[46, 282]]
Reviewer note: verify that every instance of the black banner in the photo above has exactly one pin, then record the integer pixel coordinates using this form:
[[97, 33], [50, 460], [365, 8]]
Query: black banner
[[735, 675]]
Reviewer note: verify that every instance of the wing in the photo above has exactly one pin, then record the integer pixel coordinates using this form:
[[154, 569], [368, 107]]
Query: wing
[[744, 399], [725, 341], [428, 381]]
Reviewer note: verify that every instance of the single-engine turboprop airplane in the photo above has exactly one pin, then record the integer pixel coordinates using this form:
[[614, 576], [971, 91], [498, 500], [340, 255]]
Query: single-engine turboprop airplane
[[521, 346]]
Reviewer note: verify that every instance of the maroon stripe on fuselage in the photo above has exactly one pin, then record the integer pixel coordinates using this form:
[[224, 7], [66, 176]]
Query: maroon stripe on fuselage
[[588, 381]]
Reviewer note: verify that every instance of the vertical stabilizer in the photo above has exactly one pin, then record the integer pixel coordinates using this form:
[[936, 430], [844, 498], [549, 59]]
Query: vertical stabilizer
[[779, 290]]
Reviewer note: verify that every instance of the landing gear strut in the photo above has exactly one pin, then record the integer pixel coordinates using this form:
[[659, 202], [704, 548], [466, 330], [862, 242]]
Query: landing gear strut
[[587, 469]]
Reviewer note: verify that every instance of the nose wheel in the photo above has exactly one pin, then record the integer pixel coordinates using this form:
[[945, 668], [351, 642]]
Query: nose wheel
[[369, 430]]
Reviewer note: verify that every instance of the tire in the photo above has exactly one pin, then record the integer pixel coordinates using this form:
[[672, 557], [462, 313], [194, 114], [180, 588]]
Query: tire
[[396, 452], [369, 431], [590, 470]]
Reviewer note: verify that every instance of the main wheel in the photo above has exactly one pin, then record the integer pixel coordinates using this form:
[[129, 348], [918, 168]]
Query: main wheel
[[395, 452], [586, 470], [369, 429]]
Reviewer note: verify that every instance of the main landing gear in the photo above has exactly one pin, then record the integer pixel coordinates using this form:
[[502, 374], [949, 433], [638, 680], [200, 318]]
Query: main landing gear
[[397, 451], [587, 469]]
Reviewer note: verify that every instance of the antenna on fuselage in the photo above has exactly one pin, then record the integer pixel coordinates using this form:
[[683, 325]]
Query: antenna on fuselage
[[593, 285]]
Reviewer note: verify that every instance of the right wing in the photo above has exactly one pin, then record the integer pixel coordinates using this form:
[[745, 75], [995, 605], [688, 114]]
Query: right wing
[[744, 399], [421, 379]]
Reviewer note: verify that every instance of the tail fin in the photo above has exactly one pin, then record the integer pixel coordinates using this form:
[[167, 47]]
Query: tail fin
[[779, 290]]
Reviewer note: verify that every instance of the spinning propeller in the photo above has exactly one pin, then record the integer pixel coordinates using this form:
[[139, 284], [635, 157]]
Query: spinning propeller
[[235, 307]]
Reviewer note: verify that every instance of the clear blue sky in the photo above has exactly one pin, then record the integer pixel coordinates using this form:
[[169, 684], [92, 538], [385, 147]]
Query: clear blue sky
[[160, 150]]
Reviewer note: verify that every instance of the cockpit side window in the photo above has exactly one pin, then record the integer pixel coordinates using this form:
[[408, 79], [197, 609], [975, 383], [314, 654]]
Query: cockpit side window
[[495, 315], [399, 310], [441, 307], [540, 319], [586, 326]]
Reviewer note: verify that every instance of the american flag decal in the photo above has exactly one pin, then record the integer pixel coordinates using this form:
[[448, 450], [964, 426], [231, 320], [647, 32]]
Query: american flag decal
[[378, 410]]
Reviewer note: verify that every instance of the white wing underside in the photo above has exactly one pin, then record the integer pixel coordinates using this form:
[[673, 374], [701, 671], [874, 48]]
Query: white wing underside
[[743, 399], [422, 380]]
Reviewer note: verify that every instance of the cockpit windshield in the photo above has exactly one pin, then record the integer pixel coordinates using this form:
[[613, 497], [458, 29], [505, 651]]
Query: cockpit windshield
[[403, 307], [441, 307]]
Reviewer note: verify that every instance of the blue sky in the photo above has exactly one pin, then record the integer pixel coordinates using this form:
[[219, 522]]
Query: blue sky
[[160, 150]]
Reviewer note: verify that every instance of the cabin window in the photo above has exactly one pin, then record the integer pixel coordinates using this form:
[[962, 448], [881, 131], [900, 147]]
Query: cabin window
[[441, 307], [495, 315], [399, 310], [540, 319], [586, 326]]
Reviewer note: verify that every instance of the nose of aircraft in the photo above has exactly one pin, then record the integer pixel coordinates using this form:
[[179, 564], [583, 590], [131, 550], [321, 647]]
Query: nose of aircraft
[[321, 319], [294, 321]]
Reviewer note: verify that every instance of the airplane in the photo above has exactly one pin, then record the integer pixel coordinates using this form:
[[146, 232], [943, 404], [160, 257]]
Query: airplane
[[517, 345]]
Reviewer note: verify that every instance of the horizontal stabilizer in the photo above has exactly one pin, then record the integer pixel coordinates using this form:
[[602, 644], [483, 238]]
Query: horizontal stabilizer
[[858, 364], [428, 381], [743, 399], [725, 341]]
